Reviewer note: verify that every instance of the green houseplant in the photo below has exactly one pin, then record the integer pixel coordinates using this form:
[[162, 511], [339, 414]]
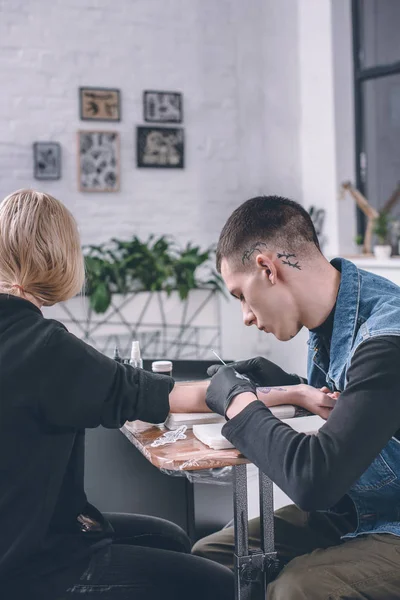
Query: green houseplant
[[359, 243], [359, 240], [381, 229], [158, 264]]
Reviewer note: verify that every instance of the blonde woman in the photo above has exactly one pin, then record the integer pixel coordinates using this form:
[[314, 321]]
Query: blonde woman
[[53, 543]]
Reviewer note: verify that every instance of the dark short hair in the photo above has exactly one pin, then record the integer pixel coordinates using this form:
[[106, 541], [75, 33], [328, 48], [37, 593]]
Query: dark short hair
[[271, 220]]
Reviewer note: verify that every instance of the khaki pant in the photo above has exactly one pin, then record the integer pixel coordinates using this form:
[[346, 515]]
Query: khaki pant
[[319, 566]]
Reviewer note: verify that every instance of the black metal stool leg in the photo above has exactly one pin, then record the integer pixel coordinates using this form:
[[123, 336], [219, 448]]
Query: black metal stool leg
[[267, 537], [253, 569], [240, 518]]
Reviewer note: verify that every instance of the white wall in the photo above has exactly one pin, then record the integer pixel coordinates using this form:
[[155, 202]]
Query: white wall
[[203, 48], [282, 167], [344, 119], [327, 115], [236, 64], [317, 112]]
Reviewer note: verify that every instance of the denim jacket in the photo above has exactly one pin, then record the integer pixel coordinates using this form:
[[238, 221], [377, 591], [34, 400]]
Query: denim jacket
[[367, 306]]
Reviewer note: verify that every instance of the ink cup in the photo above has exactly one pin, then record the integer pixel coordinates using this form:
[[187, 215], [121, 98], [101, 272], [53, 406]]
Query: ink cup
[[163, 367]]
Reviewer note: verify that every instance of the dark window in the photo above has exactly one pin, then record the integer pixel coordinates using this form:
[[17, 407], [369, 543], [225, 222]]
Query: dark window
[[379, 32], [376, 46]]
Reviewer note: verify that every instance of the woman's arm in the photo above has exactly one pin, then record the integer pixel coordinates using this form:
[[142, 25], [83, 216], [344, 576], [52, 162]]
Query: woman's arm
[[190, 396], [80, 387]]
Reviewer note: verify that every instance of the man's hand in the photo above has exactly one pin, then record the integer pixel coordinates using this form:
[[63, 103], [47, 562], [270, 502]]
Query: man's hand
[[326, 390], [225, 385], [318, 401], [261, 370]]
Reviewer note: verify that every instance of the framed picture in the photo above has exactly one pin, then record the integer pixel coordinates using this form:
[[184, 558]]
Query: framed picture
[[162, 107], [160, 147], [99, 104], [98, 161], [47, 160]]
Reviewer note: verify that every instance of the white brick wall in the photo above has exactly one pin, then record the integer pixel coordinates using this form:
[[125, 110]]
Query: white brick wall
[[203, 48]]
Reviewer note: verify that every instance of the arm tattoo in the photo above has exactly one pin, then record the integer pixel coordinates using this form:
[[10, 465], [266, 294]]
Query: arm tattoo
[[295, 265], [247, 253], [267, 390]]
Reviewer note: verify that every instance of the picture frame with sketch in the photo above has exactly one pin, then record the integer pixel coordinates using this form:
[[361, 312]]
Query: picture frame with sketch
[[98, 161], [99, 104], [46, 161], [162, 107], [160, 147]]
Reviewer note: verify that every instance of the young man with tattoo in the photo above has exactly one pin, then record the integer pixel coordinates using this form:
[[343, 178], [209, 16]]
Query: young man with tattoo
[[341, 539]]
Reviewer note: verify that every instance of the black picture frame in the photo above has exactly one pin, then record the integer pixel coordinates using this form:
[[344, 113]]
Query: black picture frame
[[160, 147], [101, 115], [162, 107], [47, 161]]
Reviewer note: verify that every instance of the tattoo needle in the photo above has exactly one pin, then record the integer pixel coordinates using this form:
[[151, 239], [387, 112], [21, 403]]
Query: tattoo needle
[[238, 375], [219, 358]]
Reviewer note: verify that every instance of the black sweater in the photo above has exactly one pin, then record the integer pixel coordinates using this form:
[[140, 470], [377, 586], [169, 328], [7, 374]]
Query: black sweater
[[316, 471], [53, 386]]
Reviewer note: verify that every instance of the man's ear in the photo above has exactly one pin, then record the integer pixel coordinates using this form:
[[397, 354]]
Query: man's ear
[[265, 263]]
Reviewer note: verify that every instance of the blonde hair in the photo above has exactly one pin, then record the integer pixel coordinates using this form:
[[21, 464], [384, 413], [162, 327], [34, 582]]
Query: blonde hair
[[40, 249]]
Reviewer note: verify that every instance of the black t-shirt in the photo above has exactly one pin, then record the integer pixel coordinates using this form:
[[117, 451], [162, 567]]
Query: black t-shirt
[[53, 386], [316, 471]]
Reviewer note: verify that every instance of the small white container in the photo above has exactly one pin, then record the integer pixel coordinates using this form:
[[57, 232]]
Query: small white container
[[382, 252], [164, 367]]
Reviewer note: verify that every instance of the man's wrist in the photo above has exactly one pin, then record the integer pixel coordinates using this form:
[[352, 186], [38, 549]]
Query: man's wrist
[[302, 396], [239, 403]]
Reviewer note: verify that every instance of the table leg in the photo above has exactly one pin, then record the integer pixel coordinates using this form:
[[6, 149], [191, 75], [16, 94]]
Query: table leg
[[253, 569], [267, 525], [190, 511]]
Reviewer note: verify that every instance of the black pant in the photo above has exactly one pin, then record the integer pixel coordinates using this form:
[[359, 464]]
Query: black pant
[[319, 564], [149, 560]]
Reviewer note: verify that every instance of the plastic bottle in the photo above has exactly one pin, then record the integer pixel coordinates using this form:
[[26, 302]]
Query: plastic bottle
[[117, 356], [136, 358], [164, 367]]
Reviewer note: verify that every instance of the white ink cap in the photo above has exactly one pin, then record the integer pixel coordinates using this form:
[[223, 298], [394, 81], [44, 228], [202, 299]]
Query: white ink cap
[[162, 366]]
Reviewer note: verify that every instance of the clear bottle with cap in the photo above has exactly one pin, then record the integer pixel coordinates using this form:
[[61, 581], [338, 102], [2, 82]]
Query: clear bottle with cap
[[136, 358], [164, 367], [117, 356]]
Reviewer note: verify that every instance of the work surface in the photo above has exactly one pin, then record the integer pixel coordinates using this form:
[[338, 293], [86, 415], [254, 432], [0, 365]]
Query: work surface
[[184, 455]]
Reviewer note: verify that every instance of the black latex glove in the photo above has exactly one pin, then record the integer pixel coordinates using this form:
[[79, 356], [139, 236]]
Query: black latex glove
[[224, 386], [262, 371]]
